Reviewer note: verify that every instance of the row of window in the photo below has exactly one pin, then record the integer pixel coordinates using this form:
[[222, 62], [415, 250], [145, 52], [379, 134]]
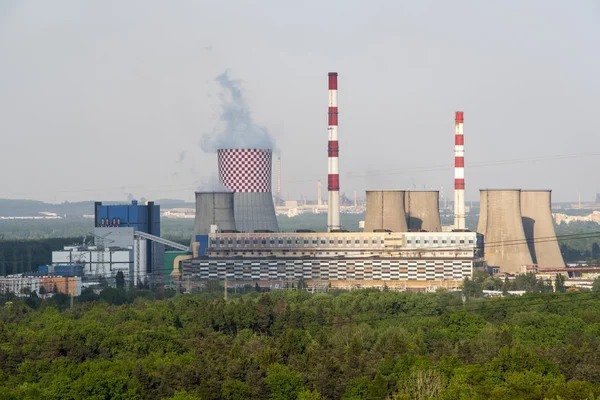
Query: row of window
[[273, 242], [435, 241]]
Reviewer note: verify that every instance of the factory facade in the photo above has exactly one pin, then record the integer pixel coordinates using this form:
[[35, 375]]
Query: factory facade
[[341, 259]]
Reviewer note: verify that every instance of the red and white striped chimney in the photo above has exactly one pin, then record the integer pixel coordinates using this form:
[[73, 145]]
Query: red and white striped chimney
[[333, 178], [459, 173]]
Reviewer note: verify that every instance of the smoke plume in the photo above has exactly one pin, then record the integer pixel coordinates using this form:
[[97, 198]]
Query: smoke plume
[[238, 128], [211, 184]]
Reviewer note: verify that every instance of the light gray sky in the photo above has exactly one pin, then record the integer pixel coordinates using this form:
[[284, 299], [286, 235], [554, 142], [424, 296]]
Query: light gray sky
[[99, 99]]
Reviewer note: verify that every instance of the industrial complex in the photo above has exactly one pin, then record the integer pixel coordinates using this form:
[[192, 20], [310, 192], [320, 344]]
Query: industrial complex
[[402, 245], [236, 237]]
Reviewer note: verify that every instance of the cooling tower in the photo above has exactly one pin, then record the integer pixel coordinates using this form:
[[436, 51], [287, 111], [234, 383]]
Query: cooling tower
[[482, 223], [247, 173], [505, 245], [213, 208], [385, 210], [422, 209], [539, 228]]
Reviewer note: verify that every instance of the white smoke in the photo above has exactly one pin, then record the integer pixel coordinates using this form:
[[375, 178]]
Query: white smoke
[[238, 130], [211, 184]]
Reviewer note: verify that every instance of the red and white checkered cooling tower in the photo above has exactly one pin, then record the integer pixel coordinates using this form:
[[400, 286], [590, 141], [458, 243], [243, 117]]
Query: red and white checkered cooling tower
[[247, 173]]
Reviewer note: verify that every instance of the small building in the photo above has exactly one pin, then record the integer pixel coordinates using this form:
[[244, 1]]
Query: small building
[[21, 284]]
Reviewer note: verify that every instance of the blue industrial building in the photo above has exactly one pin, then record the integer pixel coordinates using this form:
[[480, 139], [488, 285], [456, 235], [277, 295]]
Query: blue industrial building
[[60, 270], [144, 218]]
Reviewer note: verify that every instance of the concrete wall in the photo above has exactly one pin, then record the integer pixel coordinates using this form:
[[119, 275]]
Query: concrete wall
[[254, 211], [213, 208], [422, 209], [539, 228], [385, 210]]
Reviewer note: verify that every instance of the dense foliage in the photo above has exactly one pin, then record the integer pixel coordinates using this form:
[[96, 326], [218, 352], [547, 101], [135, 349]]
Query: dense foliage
[[18, 256], [364, 344]]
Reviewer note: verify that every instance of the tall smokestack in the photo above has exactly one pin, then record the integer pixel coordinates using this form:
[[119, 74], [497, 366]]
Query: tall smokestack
[[319, 193], [459, 173], [333, 178]]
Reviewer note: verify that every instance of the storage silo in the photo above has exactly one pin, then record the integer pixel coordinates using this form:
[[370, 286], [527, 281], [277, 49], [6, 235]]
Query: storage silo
[[536, 211], [385, 211], [505, 245], [213, 208], [422, 209], [247, 173]]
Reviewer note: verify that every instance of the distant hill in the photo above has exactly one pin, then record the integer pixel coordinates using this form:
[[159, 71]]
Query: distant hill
[[20, 208]]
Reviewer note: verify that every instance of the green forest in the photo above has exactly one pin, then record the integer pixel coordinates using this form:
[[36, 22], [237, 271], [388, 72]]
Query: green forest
[[364, 344]]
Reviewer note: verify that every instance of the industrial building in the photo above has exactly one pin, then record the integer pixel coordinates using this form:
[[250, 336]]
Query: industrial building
[[126, 239], [342, 258], [141, 217], [102, 262]]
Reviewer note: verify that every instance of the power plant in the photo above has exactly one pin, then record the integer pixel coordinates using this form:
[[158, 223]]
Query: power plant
[[402, 243], [247, 173], [422, 209], [236, 235]]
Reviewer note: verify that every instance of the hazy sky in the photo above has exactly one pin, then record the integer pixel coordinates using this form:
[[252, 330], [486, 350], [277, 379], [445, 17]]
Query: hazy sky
[[100, 99]]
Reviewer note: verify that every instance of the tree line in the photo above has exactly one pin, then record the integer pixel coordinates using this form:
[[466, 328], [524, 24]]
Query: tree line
[[364, 344]]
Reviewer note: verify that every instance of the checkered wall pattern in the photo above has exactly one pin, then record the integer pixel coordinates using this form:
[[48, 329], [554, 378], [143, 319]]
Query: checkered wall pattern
[[245, 170], [327, 269]]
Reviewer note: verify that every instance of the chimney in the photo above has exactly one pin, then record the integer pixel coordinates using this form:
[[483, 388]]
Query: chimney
[[333, 178], [459, 173]]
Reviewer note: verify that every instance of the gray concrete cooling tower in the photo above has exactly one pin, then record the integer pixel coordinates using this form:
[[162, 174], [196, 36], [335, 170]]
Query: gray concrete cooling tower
[[213, 208], [422, 209], [482, 223], [505, 244], [247, 173], [536, 212], [385, 210]]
